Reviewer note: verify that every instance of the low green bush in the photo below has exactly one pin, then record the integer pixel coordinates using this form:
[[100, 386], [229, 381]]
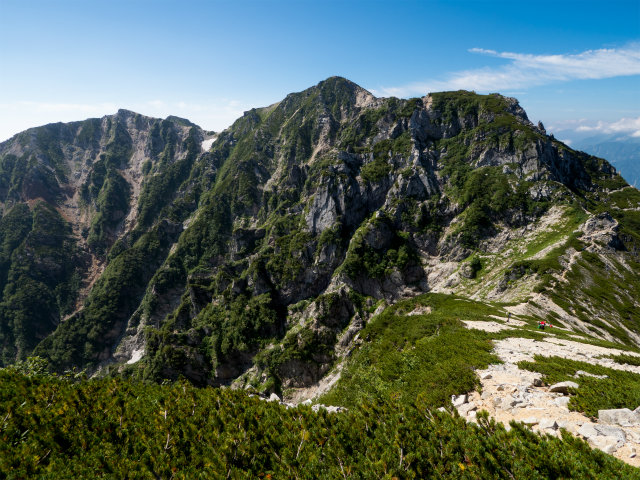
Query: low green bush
[[429, 354], [114, 428], [620, 390]]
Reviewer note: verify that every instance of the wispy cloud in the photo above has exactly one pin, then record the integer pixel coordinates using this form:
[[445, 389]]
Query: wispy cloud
[[583, 127], [525, 70], [629, 126]]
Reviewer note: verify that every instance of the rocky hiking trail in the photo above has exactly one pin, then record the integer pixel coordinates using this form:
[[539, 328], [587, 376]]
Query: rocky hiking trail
[[513, 394]]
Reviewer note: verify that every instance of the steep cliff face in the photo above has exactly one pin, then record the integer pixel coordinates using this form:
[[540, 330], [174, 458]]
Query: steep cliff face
[[68, 192], [259, 261]]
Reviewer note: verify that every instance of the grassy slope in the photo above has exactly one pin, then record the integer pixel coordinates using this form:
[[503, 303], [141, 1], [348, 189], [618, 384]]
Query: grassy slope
[[433, 356], [430, 354]]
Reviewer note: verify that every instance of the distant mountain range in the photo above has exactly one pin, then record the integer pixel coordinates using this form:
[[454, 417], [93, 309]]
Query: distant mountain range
[[623, 151]]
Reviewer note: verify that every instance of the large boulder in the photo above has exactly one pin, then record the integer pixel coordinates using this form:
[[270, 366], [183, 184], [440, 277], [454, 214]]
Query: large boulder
[[614, 432], [588, 430], [459, 400], [548, 423], [619, 416], [606, 444], [467, 408], [563, 387]]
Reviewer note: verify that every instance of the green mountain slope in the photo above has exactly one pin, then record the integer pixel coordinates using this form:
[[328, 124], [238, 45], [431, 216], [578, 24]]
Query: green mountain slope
[[69, 192], [259, 261], [332, 246]]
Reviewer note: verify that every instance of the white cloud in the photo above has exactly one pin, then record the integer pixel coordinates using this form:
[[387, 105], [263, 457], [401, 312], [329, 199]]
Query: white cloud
[[528, 70], [582, 128], [630, 126]]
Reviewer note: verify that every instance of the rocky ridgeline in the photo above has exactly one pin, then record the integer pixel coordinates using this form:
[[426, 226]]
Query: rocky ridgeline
[[512, 394]]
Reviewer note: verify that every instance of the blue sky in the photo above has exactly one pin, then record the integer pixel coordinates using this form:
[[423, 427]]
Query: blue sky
[[573, 65]]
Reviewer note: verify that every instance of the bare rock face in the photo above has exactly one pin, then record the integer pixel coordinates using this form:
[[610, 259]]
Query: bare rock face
[[619, 416], [244, 240], [603, 229]]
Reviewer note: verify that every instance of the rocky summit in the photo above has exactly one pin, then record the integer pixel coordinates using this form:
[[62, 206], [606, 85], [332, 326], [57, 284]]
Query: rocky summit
[[280, 254]]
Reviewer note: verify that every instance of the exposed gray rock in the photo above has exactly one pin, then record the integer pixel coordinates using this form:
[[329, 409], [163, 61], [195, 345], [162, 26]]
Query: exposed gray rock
[[335, 409], [633, 436], [563, 387], [588, 430], [459, 400], [274, 398], [569, 426], [243, 240], [619, 416], [606, 444], [504, 403], [466, 408], [562, 401], [330, 408], [548, 423], [530, 421], [609, 431], [603, 228]]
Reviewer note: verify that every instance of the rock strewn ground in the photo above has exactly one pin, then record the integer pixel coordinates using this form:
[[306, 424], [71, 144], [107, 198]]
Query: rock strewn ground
[[509, 393], [516, 350]]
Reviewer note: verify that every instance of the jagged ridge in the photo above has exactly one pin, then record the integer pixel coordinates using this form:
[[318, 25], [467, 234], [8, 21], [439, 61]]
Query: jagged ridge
[[304, 215]]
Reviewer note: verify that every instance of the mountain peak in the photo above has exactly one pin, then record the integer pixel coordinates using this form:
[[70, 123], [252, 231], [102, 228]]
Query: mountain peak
[[124, 113], [337, 82]]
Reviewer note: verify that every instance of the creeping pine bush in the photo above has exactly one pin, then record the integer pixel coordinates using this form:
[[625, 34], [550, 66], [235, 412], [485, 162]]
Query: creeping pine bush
[[620, 390], [114, 428]]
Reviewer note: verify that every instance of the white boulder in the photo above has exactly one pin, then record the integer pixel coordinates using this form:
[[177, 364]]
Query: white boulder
[[563, 387], [619, 416]]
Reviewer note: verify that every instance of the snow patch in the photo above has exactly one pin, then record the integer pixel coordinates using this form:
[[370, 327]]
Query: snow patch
[[135, 356], [206, 144]]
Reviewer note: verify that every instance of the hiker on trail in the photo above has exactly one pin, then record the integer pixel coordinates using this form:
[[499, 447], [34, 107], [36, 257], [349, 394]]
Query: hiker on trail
[[541, 324], [508, 317]]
